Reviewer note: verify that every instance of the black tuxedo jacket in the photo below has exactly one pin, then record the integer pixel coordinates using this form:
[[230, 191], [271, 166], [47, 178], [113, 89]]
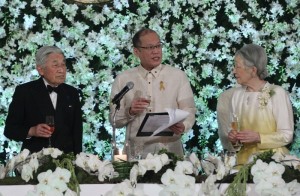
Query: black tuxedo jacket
[[30, 105]]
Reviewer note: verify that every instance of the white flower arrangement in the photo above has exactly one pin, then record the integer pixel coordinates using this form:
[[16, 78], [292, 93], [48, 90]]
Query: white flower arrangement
[[151, 162], [180, 180], [268, 179], [53, 183], [94, 166], [26, 164], [266, 93]]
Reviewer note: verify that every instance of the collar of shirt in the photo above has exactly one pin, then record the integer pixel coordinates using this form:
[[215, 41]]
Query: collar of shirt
[[155, 72], [46, 83], [53, 95]]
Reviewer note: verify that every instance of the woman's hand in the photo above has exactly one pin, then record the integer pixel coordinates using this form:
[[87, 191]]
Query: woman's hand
[[248, 136], [232, 136]]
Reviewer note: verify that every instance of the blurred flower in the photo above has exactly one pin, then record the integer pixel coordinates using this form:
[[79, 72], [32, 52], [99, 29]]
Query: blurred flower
[[196, 163], [26, 173], [125, 188], [209, 187], [54, 152]]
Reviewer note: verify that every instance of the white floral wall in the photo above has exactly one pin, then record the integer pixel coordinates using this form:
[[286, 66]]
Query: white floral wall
[[200, 37]]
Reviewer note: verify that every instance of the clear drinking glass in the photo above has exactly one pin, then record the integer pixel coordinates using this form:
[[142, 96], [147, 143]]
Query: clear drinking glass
[[137, 150], [235, 126], [146, 98], [50, 122]]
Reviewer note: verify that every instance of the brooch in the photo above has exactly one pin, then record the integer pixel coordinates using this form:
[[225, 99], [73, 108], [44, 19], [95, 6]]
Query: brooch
[[161, 86]]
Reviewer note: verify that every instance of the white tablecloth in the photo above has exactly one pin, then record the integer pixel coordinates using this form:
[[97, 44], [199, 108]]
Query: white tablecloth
[[99, 189]]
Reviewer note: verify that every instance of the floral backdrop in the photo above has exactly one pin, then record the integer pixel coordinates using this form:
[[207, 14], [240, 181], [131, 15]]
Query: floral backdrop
[[200, 37]]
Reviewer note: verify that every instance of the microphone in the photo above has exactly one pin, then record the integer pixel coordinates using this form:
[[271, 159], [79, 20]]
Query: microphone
[[120, 95]]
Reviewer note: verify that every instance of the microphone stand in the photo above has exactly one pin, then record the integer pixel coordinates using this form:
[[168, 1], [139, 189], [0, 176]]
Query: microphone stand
[[113, 143]]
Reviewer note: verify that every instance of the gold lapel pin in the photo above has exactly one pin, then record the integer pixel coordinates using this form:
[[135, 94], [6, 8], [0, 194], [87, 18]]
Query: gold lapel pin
[[161, 86]]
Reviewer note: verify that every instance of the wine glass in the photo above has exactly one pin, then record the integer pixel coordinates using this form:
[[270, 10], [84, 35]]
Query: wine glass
[[146, 98], [235, 126], [138, 148], [51, 124]]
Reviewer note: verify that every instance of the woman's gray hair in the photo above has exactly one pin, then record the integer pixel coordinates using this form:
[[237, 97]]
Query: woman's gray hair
[[254, 55], [43, 52]]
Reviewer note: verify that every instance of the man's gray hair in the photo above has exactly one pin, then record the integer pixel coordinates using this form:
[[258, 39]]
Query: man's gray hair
[[43, 52], [254, 55]]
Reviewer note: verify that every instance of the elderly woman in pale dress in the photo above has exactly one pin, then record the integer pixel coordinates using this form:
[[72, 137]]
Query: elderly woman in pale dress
[[264, 110]]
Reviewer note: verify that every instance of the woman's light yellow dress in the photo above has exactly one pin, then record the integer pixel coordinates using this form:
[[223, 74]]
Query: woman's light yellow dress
[[272, 120]]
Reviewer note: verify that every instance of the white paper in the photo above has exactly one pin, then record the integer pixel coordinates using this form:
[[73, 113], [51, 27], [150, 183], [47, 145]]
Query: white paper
[[175, 116]]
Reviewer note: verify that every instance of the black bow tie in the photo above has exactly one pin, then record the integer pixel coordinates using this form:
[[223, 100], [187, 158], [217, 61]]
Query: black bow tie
[[51, 89]]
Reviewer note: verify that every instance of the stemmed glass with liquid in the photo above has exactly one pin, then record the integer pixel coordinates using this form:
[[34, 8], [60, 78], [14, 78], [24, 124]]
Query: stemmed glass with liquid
[[50, 122], [235, 126], [146, 99]]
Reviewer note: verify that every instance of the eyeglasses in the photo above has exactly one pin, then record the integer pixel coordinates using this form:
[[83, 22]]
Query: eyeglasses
[[150, 48]]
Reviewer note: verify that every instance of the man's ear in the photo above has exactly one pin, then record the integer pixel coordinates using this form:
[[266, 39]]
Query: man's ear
[[40, 70], [136, 52]]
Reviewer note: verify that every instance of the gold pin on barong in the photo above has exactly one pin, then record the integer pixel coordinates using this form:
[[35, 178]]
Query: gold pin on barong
[[161, 86]]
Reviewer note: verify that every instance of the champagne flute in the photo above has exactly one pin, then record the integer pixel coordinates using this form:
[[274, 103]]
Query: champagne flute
[[235, 126], [51, 124]]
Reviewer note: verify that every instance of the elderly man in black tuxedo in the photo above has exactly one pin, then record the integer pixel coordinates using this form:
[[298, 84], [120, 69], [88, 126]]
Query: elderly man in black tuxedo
[[48, 95]]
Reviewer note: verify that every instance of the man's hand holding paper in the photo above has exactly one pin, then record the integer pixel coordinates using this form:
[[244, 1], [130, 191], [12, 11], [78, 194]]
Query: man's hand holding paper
[[177, 128], [157, 123], [176, 116]]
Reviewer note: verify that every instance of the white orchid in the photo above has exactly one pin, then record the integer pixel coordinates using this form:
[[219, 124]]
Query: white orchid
[[53, 183], [42, 189], [58, 184], [93, 162], [211, 164], [3, 171], [287, 159], [22, 155], [152, 162], [62, 174], [34, 163], [82, 161], [272, 184], [45, 177], [164, 159], [169, 177], [125, 188], [184, 167], [134, 172], [229, 161], [105, 169], [177, 183], [93, 165], [221, 170], [209, 187], [275, 169], [88, 162], [293, 187], [53, 152], [196, 163], [268, 178], [257, 170], [26, 173]]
